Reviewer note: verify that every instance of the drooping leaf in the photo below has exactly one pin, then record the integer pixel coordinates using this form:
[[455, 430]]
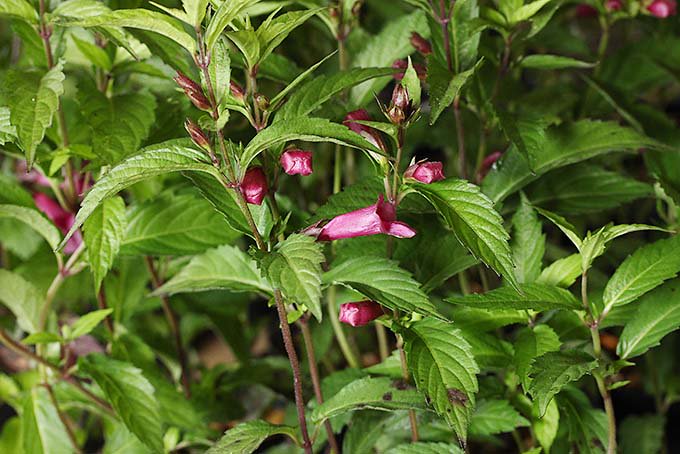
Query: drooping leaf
[[22, 298], [103, 233], [528, 243], [535, 296], [530, 344], [642, 434], [545, 61], [471, 216], [562, 272], [495, 417], [444, 369], [381, 280], [247, 437], [42, 431], [586, 426]]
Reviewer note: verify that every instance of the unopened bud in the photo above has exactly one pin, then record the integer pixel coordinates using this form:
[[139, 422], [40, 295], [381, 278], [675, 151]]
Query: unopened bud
[[254, 185], [185, 82], [662, 8], [360, 313], [400, 97], [236, 90], [262, 101], [425, 172], [421, 44], [199, 100], [198, 136], [396, 115], [356, 8]]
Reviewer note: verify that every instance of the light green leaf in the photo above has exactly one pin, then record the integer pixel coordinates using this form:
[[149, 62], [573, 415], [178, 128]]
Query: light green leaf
[[545, 61], [368, 393], [33, 219], [22, 298], [527, 11], [130, 394], [471, 216], [381, 280], [41, 338], [565, 226], [422, 447], [8, 132], [645, 269], [95, 54], [42, 431], [219, 70], [528, 242], [530, 344], [444, 85], [19, 9], [246, 41], [642, 434], [365, 428], [537, 297], [272, 32], [166, 157], [276, 100], [493, 417], [247, 437], [103, 232], [444, 370], [195, 10], [294, 266], [546, 427], [657, 315], [562, 272], [464, 34], [553, 371], [85, 324], [225, 14]]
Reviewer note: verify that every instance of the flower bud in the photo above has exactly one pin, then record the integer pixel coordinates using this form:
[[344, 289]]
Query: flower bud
[[613, 5], [396, 115], [254, 185], [236, 91], [400, 97], [425, 172], [421, 44], [262, 101], [584, 10], [196, 133], [185, 82], [421, 71], [662, 8], [199, 100], [360, 313], [297, 162], [366, 132]]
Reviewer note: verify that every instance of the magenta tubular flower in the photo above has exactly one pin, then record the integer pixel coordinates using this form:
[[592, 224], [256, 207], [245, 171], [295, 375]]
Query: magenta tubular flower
[[254, 185], [364, 131], [662, 8], [425, 171], [360, 313], [60, 217], [297, 162], [372, 220]]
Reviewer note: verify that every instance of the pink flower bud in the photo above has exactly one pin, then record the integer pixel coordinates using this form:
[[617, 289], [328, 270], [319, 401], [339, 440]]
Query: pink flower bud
[[366, 132], [421, 71], [662, 8], [360, 313], [584, 10], [372, 220], [425, 172], [613, 5], [199, 100], [185, 82], [60, 217], [254, 185], [400, 97], [421, 44], [236, 90], [193, 91], [297, 162], [198, 136], [487, 164]]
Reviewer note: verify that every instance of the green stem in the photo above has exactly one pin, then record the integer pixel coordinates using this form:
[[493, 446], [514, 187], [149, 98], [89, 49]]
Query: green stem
[[340, 336]]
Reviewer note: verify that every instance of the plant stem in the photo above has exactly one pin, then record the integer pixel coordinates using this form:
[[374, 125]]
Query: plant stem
[[460, 136], [444, 23], [381, 334], [101, 302], [56, 284], [316, 383], [404, 372], [173, 322], [340, 336], [64, 419]]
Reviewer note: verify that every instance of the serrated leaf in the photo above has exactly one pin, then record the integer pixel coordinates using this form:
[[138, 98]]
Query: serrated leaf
[[586, 426], [225, 267], [658, 314], [562, 145], [247, 437], [530, 344], [380, 393], [166, 157], [422, 447], [545, 61], [494, 417], [524, 132], [85, 324], [178, 225], [294, 267], [528, 243], [553, 371], [42, 431], [471, 216], [535, 296], [8, 132], [227, 12], [444, 85], [272, 32], [490, 352], [103, 232], [306, 129], [365, 428], [642, 434], [22, 298], [381, 280], [645, 269], [562, 272], [130, 394], [34, 220], [444, 370], [19, 9]]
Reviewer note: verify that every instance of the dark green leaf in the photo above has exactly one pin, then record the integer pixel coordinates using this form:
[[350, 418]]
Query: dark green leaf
[[247, 437], [494, 417], [537, 297]]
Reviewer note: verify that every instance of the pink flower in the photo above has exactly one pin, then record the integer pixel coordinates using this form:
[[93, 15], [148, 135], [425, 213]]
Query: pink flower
[[360, 313], [421, 71], [254, 185], [487, 164], [364, 131], [584, 10], [32, 176], [296, 162], [425, 172], [60, 217], [662, 8], [372, 220], [613, 5]]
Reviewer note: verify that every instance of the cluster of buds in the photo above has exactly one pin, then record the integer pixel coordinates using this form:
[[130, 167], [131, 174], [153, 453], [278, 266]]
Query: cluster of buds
[[193, 91], [425, 172], [360, 313], [421, 44], [297, 162]]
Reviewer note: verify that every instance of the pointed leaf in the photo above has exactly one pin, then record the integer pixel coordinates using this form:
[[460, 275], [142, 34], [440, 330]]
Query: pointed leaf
[[33, 219], [422, 447], [225, 14], [528, 243], [19, 9], [247, 437], [42, 431], [537, 297], [85, 324], [495, 417], [22, 298], [103, 232], [530, 344], [444, 85], [545, 61]]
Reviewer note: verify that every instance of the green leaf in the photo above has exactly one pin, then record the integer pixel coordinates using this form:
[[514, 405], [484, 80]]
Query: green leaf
[[613, 98], [41, 338], [175, 225], [537, 297], [276, 100], [308, 97], [546, 427], [561, 145], [471, 216], [130, 394], [19, 9], [527, 11], [422, 447], [365, 428], [219, 70], [247, 437], [142, 19], [553, 371], [225, 14], [361, 194], [95, 54], [85, 324], [8, 132], [167, 157], [444, 370], [444, 85], [196, 10], [42, 431], [530, 344], [490, 352], [307, 129], [294, 266], [34, 102], [528, 242], [493, 417], [33, 219], [464, 34], [380, 393], [524, 132], [552, 62], [565, 226], [381, 280], [657, 315], [645, 269], [272, 32], [22, 298], [226, 267], [562, 272], [586, 426], [642, 434], [381, 50], [103, 232]]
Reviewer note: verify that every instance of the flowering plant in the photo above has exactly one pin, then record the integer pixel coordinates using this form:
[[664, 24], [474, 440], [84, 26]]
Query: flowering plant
[[382, 226]]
